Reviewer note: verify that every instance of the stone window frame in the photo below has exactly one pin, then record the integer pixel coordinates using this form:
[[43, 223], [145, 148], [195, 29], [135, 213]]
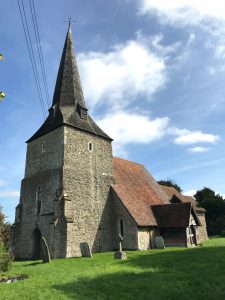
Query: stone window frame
[[121, 228], [43, 147], [90, 146], [38, 208]]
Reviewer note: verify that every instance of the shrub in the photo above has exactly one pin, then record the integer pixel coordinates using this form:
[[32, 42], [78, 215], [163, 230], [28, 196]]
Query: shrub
[[6, 260]]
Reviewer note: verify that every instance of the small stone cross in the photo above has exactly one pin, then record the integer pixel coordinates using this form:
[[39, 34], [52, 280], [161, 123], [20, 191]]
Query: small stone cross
[[120, 242], [120, 254], [70, 21]]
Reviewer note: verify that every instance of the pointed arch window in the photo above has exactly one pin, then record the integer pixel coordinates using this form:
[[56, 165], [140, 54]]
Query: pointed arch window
[[38, 200], [121, 227]]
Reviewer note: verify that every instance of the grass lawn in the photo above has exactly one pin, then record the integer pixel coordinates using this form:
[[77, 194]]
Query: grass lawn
[[174, 273]]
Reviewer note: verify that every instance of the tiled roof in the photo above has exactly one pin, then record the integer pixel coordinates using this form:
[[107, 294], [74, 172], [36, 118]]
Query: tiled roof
[[171, 192], [172, 215], [137, 190], [68, 98]]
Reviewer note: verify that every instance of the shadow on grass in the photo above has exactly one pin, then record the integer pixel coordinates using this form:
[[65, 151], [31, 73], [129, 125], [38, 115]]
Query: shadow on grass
[[32, 264], [183, 274]]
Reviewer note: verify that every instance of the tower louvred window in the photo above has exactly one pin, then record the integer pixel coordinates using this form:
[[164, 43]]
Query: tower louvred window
[[83, 113]]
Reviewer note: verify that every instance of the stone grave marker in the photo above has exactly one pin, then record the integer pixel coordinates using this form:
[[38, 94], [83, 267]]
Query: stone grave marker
[[45, 251], [159, 242], [120, 254], [85, 250]]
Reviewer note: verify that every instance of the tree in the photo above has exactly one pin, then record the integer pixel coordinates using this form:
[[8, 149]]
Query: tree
[[6, 254], [4, 230], [171, 183], [214, 205]]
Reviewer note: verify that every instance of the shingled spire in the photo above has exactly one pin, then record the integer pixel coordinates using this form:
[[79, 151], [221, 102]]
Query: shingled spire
[[68, 105], [68, 90]]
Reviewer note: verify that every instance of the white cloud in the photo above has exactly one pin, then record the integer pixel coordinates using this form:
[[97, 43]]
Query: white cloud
[[9, 193], [192, 137], [189, 193], [132, 128], [184, 11], [198, 149], [126, 71]]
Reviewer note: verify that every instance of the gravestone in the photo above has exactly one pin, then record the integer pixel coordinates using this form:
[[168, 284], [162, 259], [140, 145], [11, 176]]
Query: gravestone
[[159, 242], [45, 251], [120, 254], [85, 250]]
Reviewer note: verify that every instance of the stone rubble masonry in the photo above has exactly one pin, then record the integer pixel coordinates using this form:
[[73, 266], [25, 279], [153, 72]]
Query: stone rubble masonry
[[75, 183], [135, 237], [130, 238], [144, 242], [87, 177], [202, 231]]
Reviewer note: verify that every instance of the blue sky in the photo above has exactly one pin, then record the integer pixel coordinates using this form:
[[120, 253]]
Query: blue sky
[[153, 76]]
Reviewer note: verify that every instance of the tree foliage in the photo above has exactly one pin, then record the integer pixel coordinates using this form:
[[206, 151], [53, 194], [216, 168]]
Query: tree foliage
[[214, 205], [170, 183], [4, 230]]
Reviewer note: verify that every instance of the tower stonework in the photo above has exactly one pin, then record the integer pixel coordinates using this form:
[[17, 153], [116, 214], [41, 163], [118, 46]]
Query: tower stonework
[[65, 193]]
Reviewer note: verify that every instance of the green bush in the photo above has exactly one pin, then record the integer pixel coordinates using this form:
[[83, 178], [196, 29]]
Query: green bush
[[6, 258], [6, 261]]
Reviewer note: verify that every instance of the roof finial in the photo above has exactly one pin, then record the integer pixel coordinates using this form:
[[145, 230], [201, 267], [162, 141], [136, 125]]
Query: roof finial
[[69, 22]]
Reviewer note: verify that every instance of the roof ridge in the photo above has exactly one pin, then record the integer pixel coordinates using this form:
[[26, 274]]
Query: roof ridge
[[173, 204], [130, 161]]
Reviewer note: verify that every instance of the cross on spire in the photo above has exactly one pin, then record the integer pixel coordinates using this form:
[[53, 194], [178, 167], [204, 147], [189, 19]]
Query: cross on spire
[[70, 21]]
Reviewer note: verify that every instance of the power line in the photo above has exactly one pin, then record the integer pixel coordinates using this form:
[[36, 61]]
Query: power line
[[40, 53], [31, 53]]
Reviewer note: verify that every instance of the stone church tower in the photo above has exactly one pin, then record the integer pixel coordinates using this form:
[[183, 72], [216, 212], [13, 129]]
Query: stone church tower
[[65, 190]]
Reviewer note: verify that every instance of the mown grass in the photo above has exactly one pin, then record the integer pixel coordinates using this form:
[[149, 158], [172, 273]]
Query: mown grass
[[174, 273]]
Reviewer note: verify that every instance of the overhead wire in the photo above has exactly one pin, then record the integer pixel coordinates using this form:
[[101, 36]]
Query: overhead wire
[[31, 53], [40, 53]]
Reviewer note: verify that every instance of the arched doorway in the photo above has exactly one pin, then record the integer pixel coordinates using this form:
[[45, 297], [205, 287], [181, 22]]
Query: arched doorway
[[36, 244]]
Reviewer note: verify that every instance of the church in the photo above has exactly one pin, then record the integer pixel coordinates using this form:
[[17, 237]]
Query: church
[[74, 191]]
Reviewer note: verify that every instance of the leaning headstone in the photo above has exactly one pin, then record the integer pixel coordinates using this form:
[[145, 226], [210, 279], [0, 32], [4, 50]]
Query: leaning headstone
[[120, 254], [159, 242], [85, 250], [45, 251]]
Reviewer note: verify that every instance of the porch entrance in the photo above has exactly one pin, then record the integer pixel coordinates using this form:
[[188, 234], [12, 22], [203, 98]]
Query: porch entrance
[[192, 235]]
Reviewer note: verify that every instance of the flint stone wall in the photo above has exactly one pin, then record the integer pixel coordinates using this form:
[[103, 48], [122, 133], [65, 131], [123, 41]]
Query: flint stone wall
[[44, 162], [130, 238], [202, 230], [87, 177]]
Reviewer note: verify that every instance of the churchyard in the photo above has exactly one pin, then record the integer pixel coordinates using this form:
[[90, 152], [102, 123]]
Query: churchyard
[[172, 273]]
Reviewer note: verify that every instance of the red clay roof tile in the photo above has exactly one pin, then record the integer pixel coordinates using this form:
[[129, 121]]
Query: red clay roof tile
[[171, 191], [137, 189]]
